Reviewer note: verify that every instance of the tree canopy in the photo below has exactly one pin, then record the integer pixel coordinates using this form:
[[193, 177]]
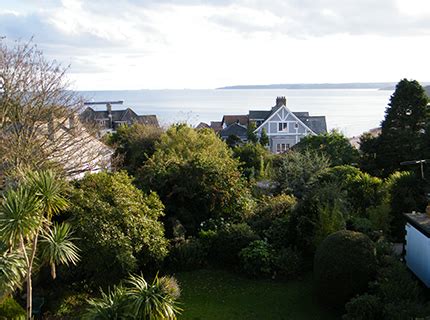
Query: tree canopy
[[196, 177]]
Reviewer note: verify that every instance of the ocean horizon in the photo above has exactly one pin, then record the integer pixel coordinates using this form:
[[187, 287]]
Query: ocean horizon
[[351, 111]]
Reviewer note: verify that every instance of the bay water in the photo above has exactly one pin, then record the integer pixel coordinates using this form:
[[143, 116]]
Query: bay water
[[352, 111]]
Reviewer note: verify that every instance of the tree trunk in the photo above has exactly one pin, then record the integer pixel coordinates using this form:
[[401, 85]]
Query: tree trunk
[[29, 295], [53, 271]]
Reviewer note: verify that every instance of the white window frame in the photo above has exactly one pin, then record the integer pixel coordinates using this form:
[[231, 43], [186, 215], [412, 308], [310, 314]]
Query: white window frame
[[283, 125], [282, 147]]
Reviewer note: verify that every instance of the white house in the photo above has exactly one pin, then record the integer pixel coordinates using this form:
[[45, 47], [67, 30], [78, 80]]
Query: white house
[[418, 245]]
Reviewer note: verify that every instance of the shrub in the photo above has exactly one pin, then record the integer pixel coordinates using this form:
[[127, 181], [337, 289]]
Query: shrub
[[271, 208], [189, 254], [118, 226], [344, 264], [11, 310], [364, 307], [225, 244], [288, 262], [257, 258]]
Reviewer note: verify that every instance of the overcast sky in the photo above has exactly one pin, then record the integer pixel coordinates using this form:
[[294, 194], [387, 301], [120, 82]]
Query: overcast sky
[[156, 44]]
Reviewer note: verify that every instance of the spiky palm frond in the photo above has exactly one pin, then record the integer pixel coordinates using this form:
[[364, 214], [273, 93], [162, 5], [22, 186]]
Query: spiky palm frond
[[151, 301], [19, 215], [111, 306], [49, 189], [57, 246], [12, 271]]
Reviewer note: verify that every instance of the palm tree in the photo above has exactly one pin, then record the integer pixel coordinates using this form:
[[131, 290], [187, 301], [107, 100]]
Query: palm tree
[[57, 247], [12, 266], [153, 301], [26, 212], [138, 300]]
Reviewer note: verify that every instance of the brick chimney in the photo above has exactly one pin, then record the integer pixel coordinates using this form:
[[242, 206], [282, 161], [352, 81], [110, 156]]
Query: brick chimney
[[281, 101]]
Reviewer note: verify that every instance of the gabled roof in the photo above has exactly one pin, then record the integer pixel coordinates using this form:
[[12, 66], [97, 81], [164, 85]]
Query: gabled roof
[[230, 119], [216, 126], [202, 125], [258, 114], [234, 129], [150, 120], [316, 123]]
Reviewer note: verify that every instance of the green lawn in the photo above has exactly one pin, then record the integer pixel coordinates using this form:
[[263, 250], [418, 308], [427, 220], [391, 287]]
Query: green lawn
[[215, 294]]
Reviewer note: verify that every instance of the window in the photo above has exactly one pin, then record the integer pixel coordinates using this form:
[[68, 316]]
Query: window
[[282, 147], [296, 125], [282, 126]]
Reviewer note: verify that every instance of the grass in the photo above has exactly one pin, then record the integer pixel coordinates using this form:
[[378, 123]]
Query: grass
[[215, 294]]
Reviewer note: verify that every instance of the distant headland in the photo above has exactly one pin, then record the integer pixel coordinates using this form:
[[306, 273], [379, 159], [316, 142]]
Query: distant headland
[[351, 85]]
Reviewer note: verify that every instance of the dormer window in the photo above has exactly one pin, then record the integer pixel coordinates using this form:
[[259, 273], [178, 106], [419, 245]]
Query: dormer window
[[282, 127]]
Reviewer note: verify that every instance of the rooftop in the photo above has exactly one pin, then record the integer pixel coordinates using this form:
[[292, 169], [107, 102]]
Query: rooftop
[[420, 221]]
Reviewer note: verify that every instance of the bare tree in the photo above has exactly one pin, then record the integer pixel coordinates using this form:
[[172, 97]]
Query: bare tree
[[39, 126]]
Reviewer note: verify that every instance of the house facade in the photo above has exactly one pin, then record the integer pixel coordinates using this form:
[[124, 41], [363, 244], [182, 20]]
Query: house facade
[[283, 127], [109, 120]]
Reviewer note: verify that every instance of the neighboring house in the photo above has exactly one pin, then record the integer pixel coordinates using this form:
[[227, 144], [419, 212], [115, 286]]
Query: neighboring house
[[418, 245], [283, 127], [109, 120], [355, 141]]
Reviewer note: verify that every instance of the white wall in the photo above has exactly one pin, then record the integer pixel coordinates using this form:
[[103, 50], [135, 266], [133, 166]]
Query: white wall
[[418, 253]]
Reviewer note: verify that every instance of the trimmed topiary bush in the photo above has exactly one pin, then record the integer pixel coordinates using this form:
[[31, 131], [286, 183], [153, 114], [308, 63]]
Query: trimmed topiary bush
[[344, 264]]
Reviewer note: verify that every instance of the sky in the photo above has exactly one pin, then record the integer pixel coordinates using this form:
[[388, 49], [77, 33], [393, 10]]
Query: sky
[[197, 44]]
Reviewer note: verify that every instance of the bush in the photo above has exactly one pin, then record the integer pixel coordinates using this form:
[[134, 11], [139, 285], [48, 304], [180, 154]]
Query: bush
[[364, 307], [118, 226], [225, 244], [11, 310], [344, 264], [189, 254], [288, 262], [257, 258], [269, 209]]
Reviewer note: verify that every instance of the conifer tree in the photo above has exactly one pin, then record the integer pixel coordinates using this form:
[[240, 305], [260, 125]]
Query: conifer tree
[[404, 127], [264, 138]]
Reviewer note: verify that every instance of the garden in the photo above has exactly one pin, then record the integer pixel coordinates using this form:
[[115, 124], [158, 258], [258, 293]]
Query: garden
[[185, 225]]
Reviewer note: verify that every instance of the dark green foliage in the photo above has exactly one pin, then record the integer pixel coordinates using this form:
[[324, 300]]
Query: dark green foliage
[[233, 140], [189, 254], [253, 159], [257, 258], [404, 127], [196, 178], [362, 190], [368, 150], [334, 145], [134, 144], [117, 225], [11, 310], [298, 172], [288, 262], [251, 135], [406, 193], [225, 244], [364, 307], [264, 138], [269, 209], [344, 264], [395, 294]]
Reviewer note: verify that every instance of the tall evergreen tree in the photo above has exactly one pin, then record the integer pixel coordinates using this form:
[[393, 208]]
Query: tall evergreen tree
[[252, 136], [264, 138], [404, 127]]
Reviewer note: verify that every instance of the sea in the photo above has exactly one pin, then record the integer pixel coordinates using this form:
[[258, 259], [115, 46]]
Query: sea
[[351, 111]]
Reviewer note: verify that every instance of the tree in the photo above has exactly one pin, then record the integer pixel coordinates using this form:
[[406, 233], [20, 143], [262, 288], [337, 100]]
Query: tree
[[252, 136], [135, 144], [404, 127], [39, 128], [118, 226], [26, 213], [264, 138], [334, 145], [196, 177], [138, 299], [297, 171], [253, 158]]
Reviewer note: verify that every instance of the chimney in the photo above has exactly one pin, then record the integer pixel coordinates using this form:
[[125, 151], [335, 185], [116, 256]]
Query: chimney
[[281, 101], [109, 111]]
